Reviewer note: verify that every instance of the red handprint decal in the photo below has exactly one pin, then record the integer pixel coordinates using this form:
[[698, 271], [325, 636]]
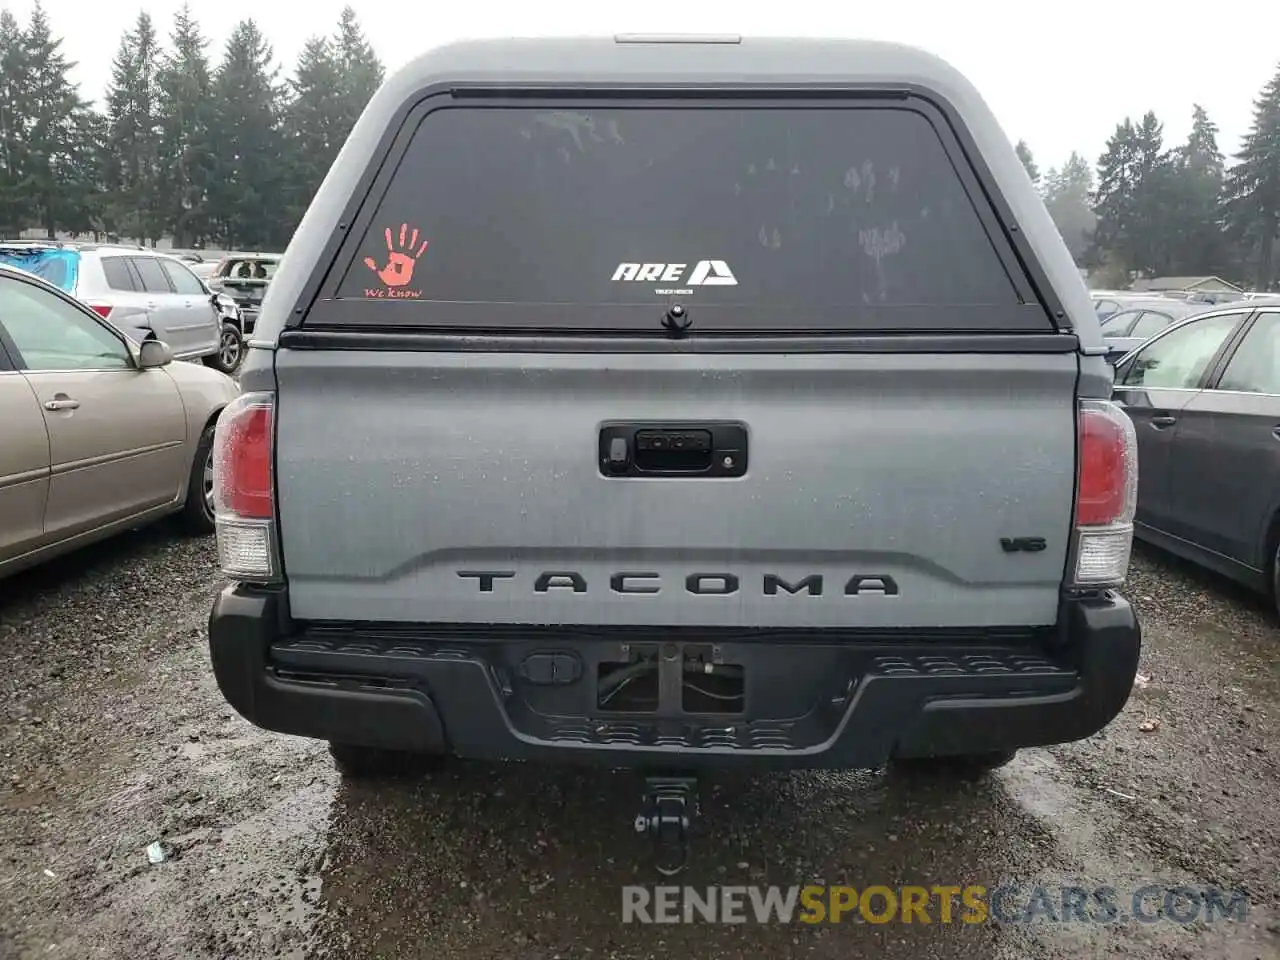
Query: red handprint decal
[[401, 258]]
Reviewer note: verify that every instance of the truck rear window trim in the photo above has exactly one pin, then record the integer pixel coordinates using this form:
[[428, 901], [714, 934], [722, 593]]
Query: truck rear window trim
[[421, 341], [644, 319], [319, 305]]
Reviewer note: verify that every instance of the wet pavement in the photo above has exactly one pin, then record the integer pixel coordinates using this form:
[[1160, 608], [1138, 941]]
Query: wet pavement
[[114, 737]]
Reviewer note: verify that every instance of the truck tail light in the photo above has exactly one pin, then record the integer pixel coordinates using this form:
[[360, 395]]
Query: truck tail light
[[244, 489], [1106, 494]]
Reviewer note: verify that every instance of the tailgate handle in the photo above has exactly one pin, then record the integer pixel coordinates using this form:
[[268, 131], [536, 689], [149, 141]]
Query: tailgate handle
[[663, 451], [688, 450]]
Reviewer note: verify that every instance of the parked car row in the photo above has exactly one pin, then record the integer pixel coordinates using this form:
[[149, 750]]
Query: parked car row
[[1130, 318], [1204, 396], [145, 293], [101, 431]]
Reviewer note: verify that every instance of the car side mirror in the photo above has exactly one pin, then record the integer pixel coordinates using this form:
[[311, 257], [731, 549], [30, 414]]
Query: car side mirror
[[154, 353]]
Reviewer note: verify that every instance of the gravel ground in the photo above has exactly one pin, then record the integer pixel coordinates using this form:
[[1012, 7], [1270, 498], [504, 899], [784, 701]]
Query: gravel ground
[[114, 737]]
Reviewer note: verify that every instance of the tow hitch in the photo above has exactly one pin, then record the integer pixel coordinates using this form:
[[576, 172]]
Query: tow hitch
[[669, 806]]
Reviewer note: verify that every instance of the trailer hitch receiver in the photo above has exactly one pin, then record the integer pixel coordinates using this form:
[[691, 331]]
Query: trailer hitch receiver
[[669, 806]]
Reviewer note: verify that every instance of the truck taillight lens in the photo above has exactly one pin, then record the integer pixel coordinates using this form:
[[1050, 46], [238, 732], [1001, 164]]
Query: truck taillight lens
[[243, 489], [1106, 494]]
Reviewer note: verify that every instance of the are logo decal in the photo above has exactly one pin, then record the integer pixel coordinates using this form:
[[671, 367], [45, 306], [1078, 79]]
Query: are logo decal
[[704, 273]]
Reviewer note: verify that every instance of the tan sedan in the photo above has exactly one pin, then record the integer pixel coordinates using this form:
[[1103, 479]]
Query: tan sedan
[[98, 433]]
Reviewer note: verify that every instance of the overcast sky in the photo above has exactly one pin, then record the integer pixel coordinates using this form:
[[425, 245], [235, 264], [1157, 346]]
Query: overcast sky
[[1058, 75]]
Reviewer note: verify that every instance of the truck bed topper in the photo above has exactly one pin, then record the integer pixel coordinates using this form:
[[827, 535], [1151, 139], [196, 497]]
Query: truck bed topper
[[557, 67]]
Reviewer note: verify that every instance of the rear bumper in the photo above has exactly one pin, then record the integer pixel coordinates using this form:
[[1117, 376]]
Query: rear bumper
[[813, 698]]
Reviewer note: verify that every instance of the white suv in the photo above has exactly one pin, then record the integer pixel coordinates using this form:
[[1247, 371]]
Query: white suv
[[143, 292]]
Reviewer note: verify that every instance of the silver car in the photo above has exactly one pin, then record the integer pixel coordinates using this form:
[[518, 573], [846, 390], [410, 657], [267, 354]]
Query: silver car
[[146, 293], [98, 433]]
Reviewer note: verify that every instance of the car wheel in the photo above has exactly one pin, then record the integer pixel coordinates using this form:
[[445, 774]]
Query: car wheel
[[369, 763], [230, 350], [197, 511], [964, 767]]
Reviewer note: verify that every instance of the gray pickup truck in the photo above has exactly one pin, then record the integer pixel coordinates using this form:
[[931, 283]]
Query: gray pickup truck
[[673, 403]]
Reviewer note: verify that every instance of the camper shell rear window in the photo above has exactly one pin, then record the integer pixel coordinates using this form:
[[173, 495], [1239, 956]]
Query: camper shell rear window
[[859, 216]]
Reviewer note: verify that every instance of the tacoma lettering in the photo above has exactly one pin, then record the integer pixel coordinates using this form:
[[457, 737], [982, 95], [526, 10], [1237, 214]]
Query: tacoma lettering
[[566, 580], [697, 584], [634, 583], [485, 578], [713, 584], [870, 583], [812, 583]]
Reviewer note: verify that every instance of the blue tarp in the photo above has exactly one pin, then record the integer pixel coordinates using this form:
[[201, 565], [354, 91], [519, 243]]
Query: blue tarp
[[55, 266]]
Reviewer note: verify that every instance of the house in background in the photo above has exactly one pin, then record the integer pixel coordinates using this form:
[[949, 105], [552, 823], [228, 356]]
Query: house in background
[[1186, 285]]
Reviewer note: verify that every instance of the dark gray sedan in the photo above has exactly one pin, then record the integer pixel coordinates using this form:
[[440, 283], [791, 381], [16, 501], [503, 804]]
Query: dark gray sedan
[[1204, 395]]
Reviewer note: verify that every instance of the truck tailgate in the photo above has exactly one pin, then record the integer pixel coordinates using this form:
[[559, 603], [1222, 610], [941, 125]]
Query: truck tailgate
[[878, 492]]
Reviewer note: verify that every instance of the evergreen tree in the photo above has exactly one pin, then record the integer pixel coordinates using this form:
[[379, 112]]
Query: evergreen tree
[[81, 175], [1252, 189], [361, 70], [57, 126], [315, 125], [1114, 200], [1197, 244], [248, 193], [1028, 161], [1154, 199], [1134, 189], [132, 158], [16, 208], [1068, 195], [1202, 145], [186, 135]]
